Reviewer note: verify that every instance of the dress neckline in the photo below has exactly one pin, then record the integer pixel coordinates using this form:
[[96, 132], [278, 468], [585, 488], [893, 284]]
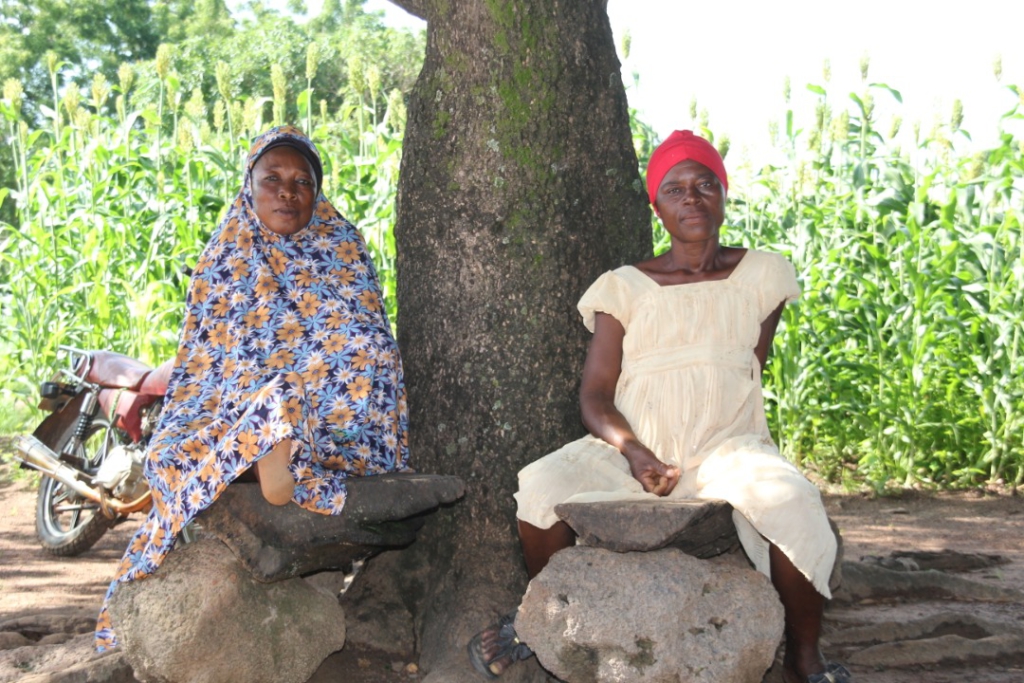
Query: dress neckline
[[728, 277]]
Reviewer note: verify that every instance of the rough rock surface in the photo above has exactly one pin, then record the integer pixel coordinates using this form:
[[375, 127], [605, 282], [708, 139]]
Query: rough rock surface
[[375, 615], [944, 561], [702, 528], [282, 542], [865, 581], [932, 640], [203, 619], [593, 615], [37, 627], [1007, 647], [72, 661], [932, 626], [12, 639]]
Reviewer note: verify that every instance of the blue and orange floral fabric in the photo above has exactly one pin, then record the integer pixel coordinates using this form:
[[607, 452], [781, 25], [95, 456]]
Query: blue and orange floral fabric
[[285, 337]]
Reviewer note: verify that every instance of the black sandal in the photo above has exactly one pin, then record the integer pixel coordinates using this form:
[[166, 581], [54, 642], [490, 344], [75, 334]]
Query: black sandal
[[509, 649], [834, 673]]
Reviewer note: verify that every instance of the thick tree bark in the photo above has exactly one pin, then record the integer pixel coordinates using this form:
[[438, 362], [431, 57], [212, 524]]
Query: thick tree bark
[[518, 187]]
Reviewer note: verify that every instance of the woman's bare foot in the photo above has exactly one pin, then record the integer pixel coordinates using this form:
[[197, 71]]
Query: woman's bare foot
[[276, 482]]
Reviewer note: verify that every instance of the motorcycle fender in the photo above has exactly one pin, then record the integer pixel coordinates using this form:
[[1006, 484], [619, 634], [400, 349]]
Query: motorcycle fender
[[52, 405], [58, 427]]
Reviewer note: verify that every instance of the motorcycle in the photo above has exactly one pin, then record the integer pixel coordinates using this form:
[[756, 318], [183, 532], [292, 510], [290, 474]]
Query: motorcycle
[[92, 446]]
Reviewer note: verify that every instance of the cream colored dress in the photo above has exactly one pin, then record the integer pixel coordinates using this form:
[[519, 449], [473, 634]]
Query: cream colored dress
[[690, 387]]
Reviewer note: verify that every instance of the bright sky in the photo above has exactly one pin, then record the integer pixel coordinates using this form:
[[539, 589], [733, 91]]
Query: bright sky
[[733, 57], [734, 60]]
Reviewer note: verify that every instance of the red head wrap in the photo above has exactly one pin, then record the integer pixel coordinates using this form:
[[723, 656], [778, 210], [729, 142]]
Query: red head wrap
[[680, 146]]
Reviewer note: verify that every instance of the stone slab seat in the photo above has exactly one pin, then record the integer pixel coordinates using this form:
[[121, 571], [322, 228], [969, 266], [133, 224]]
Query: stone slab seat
[[276, 543], [699, 528]]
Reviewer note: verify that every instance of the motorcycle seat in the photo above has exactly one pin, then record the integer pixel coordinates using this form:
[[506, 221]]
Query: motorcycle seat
[[155, 383], [117, 371], [125, 405]]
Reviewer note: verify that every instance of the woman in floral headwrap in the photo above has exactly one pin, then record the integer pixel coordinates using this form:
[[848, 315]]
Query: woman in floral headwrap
[[286, 361]]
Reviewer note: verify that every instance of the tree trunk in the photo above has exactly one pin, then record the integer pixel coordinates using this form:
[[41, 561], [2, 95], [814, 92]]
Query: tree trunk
[[518, 187]]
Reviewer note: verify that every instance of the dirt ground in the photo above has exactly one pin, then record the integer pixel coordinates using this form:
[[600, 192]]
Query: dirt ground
[[34, 583], [981, 522]]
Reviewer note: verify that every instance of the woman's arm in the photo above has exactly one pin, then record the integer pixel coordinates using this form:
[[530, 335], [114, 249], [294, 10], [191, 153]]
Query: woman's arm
[[597, 405], [764, 342]]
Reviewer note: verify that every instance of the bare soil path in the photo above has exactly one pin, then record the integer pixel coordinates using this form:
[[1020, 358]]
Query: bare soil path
[[32, 580], [979, 522], [33, 583]]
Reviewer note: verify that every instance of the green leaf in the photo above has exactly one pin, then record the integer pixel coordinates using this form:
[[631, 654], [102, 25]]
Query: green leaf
[[895, 93]]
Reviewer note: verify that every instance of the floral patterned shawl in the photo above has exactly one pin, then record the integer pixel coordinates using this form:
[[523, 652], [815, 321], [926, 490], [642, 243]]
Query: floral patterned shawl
[[285, 337]]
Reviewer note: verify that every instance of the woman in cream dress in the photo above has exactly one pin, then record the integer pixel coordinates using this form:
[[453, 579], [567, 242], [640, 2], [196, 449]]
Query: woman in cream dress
[[671, 395]]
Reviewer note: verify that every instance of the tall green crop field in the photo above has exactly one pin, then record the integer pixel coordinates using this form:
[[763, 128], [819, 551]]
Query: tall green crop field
[[903, 363]]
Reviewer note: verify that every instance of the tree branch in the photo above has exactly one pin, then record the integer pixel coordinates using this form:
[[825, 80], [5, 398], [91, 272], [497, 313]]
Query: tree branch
[[417, 8]]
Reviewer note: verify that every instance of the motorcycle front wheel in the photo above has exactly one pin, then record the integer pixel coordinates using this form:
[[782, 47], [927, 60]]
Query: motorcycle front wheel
[[67, 524]]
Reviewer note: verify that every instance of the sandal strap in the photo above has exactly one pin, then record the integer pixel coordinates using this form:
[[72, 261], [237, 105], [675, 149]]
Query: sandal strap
[[506, 649], [509, 639], [834, 673]]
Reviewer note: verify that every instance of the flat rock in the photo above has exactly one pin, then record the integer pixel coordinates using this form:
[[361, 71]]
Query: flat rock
[[593, 615], [39, 625], [941, 560], [55, 639], [864, 581], [929, 627], [12, 639], [203, 619], [74, 661], [947, 649], [376, 616], [276, 543], [702, 528]]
